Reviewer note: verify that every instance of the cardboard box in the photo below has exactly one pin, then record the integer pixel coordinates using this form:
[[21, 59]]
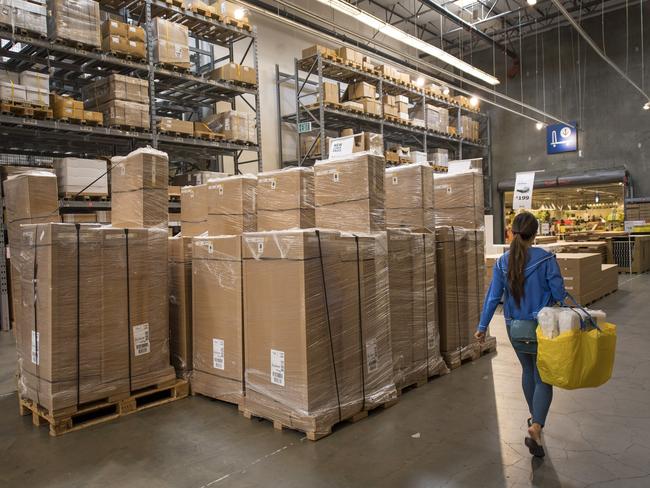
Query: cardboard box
[[51, 372], [115, 87], [231, 205], [24, 15], [171, 44], [96, 117], [112, 27], [218, 318], [371, 106], [391, 110], [350, 55], [459, 199], [285, 199], [125, 114], [197, 177], [180, 304], [12, 92], [139, 189], [76, 174], [330, 93], [169, 124], [136, 33], [409, 197], [361, 89], [77, 21], [37, 96], [233, 125], [316, 49], [234, 72], [194, 210], [353, 187], [582, 273], [34, 79], [294, 342]]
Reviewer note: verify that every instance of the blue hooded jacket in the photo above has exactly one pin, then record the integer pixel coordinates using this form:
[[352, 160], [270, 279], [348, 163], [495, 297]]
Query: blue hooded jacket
[[543, 286]]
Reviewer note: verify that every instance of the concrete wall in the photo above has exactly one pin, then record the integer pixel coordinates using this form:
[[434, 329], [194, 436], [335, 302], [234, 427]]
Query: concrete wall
[[614, 130]]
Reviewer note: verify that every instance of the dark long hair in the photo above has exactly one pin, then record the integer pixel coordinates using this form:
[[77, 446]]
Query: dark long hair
[[524, 228]]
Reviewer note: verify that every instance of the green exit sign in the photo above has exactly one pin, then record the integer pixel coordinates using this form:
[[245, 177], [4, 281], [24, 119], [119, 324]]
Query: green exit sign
[[304, 127]]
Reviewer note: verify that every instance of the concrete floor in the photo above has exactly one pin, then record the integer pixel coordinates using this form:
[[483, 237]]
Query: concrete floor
[[462, 430]]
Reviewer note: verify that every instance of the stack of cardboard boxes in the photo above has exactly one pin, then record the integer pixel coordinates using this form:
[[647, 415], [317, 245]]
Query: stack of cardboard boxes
[[81, 176], [231, 205], [389, 106], [363, 96], [171, 43], [123, 100], [139, 189], [29, 15], [235, 72], [285, 199], [402, 107], [585, 278], [29, 87], [77, 22], [469, 128], [194, 210], [436, 118], [122, 38], [409, 197], [176, 126], [234, 125], [180, 304]]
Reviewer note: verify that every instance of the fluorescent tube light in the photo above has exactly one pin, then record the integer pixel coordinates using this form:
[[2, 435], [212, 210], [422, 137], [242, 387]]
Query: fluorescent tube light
[[401, 36]]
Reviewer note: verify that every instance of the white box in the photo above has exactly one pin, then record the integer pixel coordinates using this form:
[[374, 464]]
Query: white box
[[12, 92], [37, 96], [10, 76], [74, 174], [402, 98], [19, 14], [418, 157], [35, 80], [404, 115]]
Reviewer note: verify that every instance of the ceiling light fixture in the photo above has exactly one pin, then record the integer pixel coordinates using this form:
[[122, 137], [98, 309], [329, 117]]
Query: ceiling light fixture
[[419, 82], [445, 91], [646, 106], [539, 126], [401, 36], [531, 2], [240, 13], [473, 102]]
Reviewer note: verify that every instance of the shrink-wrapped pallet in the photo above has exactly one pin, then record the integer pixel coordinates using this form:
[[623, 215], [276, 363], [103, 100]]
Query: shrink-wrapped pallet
[[180, 304], [231, 205], [285, 199], [409, 197], [171, 43], [75, 21]]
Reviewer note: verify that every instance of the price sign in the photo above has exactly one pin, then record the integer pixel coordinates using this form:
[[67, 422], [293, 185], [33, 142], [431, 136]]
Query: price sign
[[522, 197]]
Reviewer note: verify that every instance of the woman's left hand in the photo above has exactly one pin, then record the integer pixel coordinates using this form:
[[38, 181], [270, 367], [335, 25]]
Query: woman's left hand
[[480, 336]]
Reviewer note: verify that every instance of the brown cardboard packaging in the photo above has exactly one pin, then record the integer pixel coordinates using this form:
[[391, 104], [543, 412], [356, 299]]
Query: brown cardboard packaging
[[330, 93], [115, 87], [77, 21], [62, 107], [303, 350], [351, 190], [582, 273], [285, 199], [371, 106], [361, 89], [135, 33], [112, 27], [459, 194], [96, 117], [126, 114], [171, 44], [350, 55], [409, 197], [315, 49], [115, 44], [452, 268], [231, 205], [194, 210], [390, 110], [218, 321], [139, 189], [84, 308], [234, 72], [180, 304], [169, 124]]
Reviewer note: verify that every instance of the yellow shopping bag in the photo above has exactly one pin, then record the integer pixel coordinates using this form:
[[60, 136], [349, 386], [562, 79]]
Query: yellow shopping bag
[[577, 358]]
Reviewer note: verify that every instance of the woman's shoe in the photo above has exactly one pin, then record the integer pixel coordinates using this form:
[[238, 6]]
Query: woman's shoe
[[535, 449]]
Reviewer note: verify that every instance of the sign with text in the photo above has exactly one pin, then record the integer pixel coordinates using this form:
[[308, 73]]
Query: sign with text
[[341, 146], [522, 197], [304, 127], [561, 138]]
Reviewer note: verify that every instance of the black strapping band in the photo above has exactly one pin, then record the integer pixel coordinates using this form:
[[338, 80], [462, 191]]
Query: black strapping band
[[78, 304], [37, 342], [362, 343], [426, 299], [460, 345], [329, 324]]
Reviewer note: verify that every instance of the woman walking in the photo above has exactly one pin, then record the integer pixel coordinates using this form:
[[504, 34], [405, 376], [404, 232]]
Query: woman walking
[[530, 279]]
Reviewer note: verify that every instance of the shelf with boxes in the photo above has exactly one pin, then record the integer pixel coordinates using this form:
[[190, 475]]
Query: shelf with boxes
[[158, 83], [342, 89]]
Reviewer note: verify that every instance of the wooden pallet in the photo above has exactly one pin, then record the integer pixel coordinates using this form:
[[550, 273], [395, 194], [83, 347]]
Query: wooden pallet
[[123, 55], [172, 133], [456, 359], [43, 113], [77, 45], [242, 84], [105, 410], [197, 9], [173, 67], [86, 197], [237, 23], [352, 110], [16, 109], [72, 120], [128, 128], [488, 346], [352, 64], [412, 384]]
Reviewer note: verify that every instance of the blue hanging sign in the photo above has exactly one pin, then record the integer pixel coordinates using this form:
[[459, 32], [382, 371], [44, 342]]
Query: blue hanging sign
[[561, 138]]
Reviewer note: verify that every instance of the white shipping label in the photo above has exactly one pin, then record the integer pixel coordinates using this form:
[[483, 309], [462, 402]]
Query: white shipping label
[[277, 367], [210, 248], [395, 181], [141, 343], [273, 184], [36, 337], [371, 355], [335, 177], [218, 354], [220, 189]]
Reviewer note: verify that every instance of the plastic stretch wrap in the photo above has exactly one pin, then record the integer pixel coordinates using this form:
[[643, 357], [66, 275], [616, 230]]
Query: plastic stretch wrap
[[29, 198], [409, 197], [217, 309], [139, 190], [316, 326], [349, 193], [459, 199], [76, 21], [126, 114], [234, 125], [231, 205], [96, 318], [180, 304], [115, 87], [460, 258], [21, 14], [554, 321], [285, 199], [76, 174], [171, 43], [194, 210], [414, 329]]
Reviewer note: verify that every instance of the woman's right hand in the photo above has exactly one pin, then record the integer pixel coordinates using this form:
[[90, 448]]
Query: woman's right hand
[[480, 336]]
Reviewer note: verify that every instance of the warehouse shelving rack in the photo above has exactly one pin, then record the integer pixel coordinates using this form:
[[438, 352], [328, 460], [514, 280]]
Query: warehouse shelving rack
[[175, 93], [307, 81]]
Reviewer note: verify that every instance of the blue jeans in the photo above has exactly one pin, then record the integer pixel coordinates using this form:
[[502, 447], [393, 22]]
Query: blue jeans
[[538, 394]]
